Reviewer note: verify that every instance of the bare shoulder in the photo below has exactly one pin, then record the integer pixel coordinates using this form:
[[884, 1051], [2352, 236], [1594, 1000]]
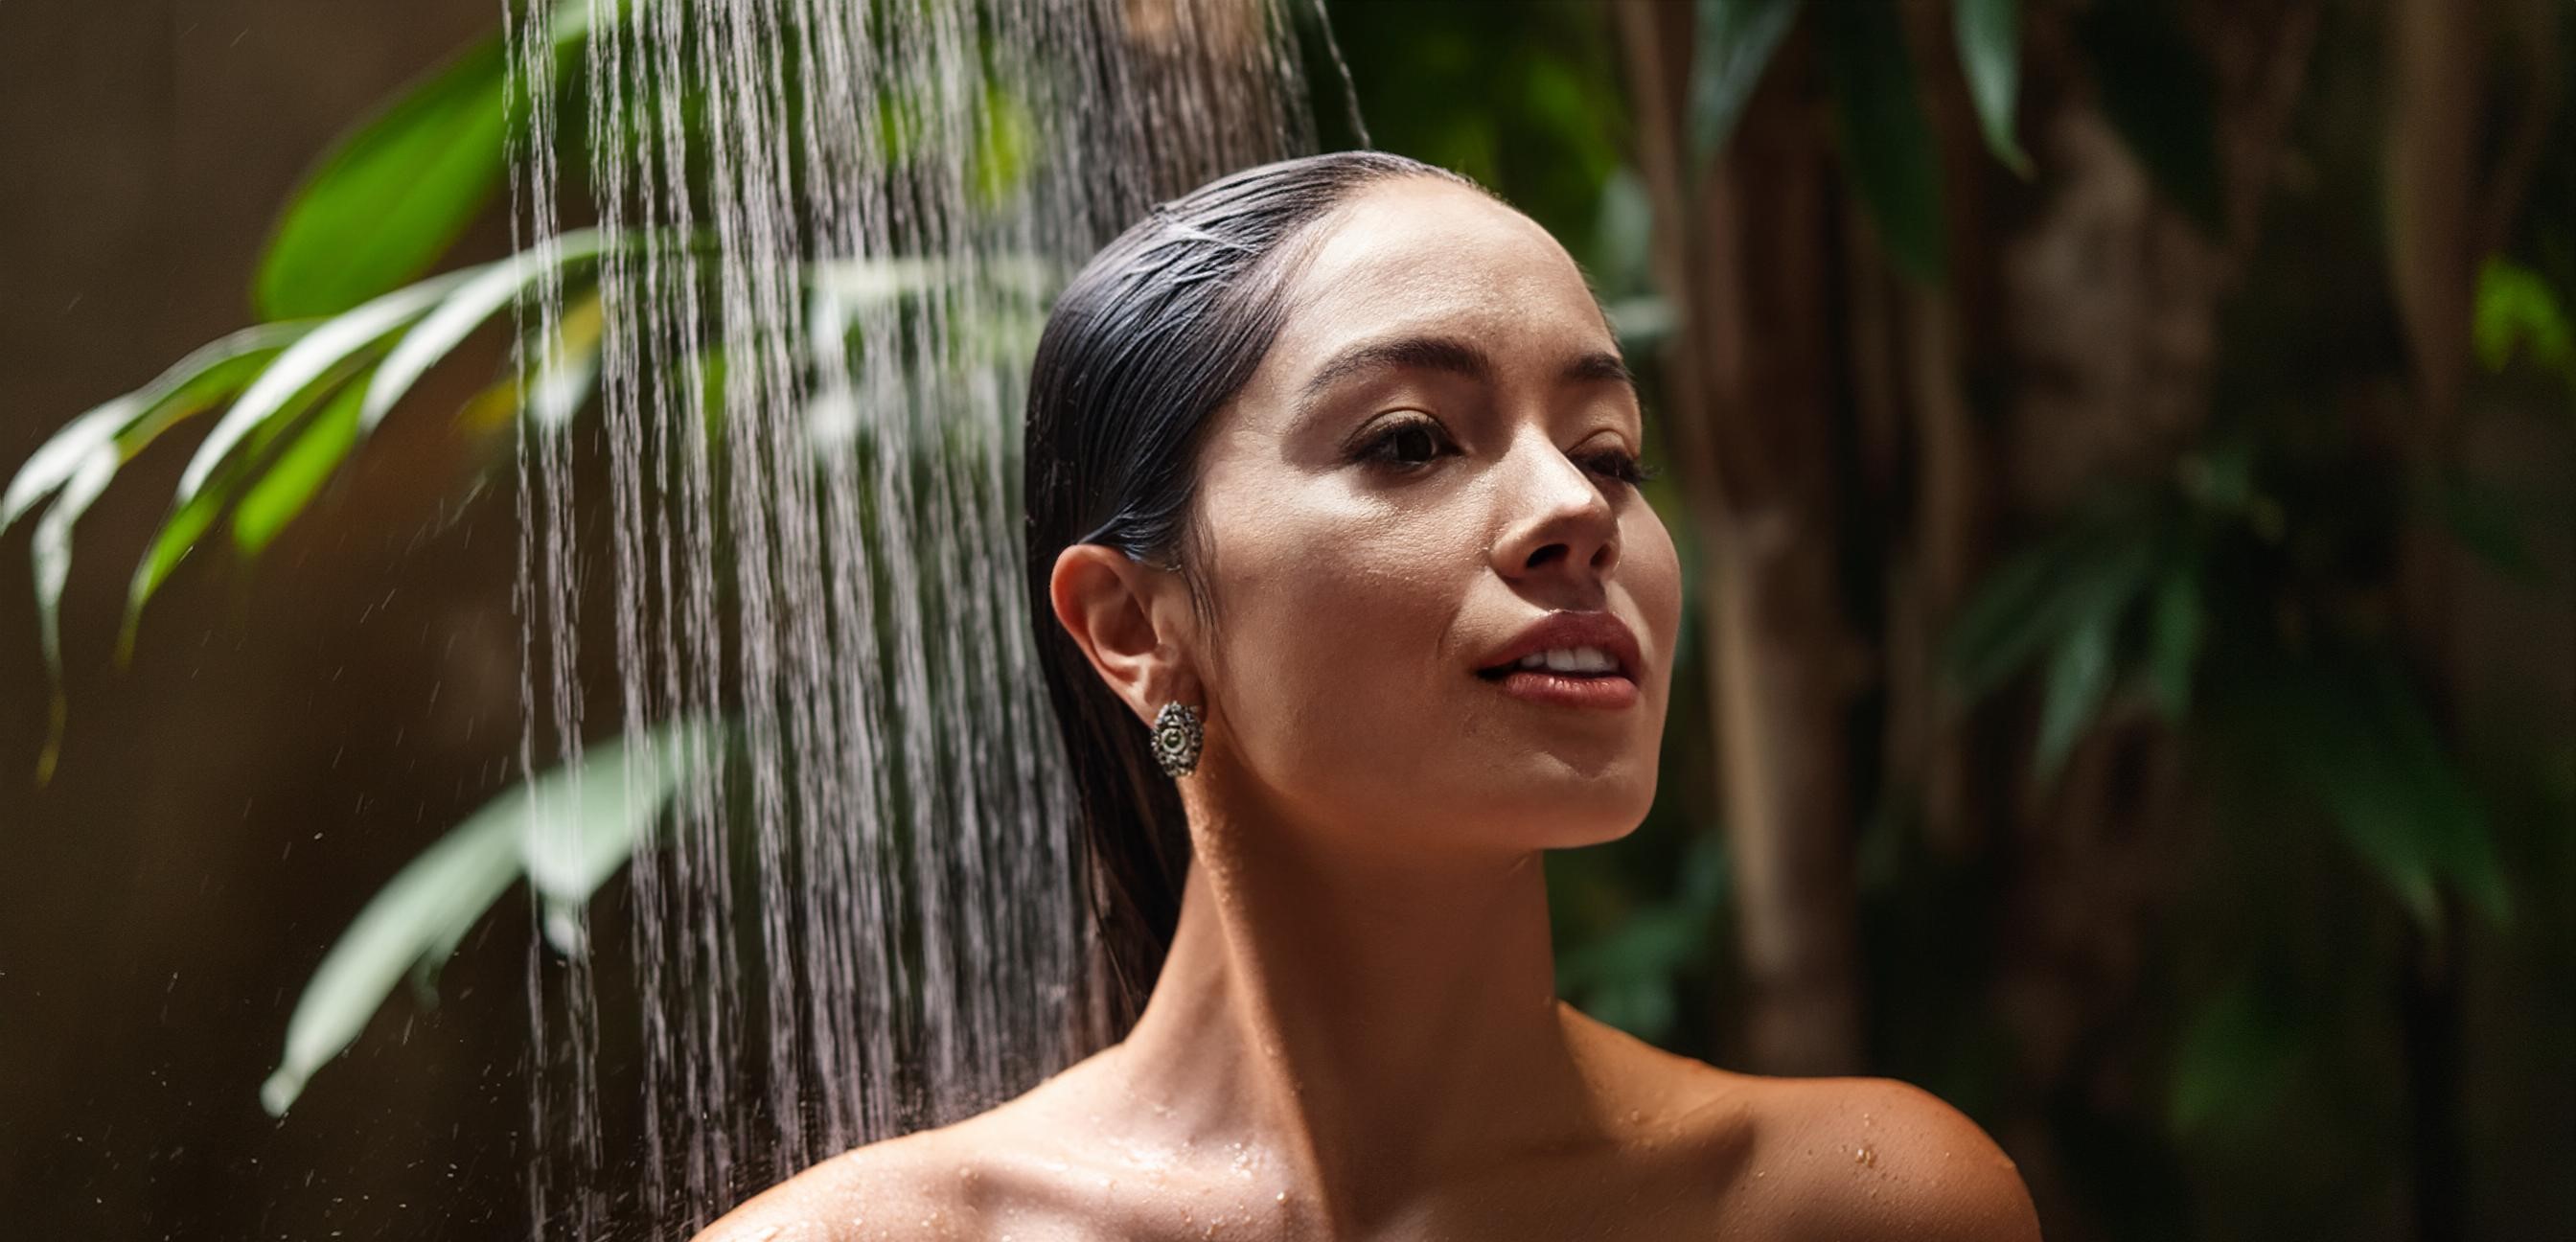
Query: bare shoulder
[[1865, 1158], [889, 1189], [951, 1182]]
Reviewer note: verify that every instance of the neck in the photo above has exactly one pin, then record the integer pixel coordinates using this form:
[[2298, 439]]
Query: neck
[[1367, 1021]]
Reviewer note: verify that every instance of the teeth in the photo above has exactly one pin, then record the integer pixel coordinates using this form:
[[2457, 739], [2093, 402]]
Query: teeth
[[1570, 660]]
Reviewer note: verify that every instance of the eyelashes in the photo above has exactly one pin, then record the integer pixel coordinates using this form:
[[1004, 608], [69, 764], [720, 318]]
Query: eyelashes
[[1409, 445], [1619, 464]]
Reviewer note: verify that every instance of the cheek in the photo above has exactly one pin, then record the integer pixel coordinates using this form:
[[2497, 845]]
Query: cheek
[[1651, 570], [1332, 629]]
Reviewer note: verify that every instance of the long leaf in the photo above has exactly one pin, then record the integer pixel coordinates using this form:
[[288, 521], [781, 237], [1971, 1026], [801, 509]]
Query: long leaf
[[210, 374], [569, 368], [60, 459], [304, 363], [2174, 640], [170, 545], [2036, 598], [1736, 40], [77, 464], [290, 386], [1886, 142], [392, 196], [1989, 36], [449, 886], [51, 551], [568, 830], [283, 488], [479, 297], [583, 826], [234, 364], [198, 510], [2355, 737], [2079, 679]]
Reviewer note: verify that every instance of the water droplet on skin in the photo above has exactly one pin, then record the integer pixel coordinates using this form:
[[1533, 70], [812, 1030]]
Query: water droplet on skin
[[1865, 1155]]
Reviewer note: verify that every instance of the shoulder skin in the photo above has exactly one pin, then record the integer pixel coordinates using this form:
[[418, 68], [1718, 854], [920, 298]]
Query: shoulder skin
[[1856, 1159], [889, 1190]]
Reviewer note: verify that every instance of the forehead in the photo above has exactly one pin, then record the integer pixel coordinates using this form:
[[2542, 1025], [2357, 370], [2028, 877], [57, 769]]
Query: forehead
[[1422, 256]]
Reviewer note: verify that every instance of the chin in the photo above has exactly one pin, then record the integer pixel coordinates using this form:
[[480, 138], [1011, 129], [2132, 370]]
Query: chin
[[1565, 810]]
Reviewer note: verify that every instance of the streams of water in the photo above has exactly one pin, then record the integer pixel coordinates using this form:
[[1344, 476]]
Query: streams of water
[[830, 227]]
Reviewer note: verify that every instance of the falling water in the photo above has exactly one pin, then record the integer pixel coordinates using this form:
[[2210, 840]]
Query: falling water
[[827, 232]]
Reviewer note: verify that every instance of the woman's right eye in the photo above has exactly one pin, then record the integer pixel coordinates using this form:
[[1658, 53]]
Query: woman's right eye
[[1410, 444]]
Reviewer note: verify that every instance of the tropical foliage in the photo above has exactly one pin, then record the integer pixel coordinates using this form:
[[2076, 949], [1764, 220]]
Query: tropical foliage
[[2161, 814], [2181, 714]]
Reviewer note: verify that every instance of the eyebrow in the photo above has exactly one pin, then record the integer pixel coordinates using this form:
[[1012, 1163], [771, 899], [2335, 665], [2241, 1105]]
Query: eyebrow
[[1456, 357]]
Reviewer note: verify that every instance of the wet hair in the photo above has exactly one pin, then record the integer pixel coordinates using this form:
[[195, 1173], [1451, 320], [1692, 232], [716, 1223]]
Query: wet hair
[[1155, 334]]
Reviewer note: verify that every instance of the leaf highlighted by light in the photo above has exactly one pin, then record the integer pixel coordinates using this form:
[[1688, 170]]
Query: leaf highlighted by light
[[567, 831], [1735, 43], [1887, 144], [1989, 35]]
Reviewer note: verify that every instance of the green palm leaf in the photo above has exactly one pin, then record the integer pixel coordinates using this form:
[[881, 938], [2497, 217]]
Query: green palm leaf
[[1886, 143], [2354, 735], [1736, 41], [481, 295], [392, 196], [281, 491], [76, 465], [1989, 38], [206, 377], [567, 831], [300, 376]]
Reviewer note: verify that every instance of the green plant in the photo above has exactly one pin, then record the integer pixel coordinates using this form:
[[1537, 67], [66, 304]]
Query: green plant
[[1878, 111], [358, 325], [566, 832]]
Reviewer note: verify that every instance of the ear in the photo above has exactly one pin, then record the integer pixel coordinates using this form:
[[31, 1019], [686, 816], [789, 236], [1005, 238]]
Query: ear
[[1123, 615]]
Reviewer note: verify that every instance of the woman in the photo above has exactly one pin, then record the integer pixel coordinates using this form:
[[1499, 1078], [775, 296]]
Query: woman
[[1332, 476]]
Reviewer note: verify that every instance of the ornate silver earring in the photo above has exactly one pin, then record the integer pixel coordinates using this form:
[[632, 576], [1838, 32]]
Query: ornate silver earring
[[1176, 739]]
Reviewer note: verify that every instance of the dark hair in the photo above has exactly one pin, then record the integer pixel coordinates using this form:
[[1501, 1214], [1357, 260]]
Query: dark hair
[[1156, 333]]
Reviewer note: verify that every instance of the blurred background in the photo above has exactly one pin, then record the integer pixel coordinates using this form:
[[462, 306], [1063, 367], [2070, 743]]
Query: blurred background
[[2124, 451]]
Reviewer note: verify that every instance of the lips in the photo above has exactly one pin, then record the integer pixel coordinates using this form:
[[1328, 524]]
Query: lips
[[1569, 659]]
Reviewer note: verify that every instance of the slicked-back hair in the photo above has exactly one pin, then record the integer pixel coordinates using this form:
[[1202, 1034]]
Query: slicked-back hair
[[1160, 330]]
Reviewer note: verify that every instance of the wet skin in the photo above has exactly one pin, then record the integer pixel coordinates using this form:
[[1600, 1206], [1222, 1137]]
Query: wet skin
[[1356, 1035]]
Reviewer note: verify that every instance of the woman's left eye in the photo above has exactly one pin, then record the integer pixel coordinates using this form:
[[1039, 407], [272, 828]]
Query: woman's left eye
[[1616, 463], [1408, 445]]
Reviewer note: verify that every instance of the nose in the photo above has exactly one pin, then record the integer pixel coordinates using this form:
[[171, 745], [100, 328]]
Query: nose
[[1560, 529]]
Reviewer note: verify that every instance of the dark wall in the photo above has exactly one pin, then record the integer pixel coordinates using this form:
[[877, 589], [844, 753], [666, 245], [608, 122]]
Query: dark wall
[[288, 733]]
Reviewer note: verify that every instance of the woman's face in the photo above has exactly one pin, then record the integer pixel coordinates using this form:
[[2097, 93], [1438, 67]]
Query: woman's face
[[1430, 478]]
